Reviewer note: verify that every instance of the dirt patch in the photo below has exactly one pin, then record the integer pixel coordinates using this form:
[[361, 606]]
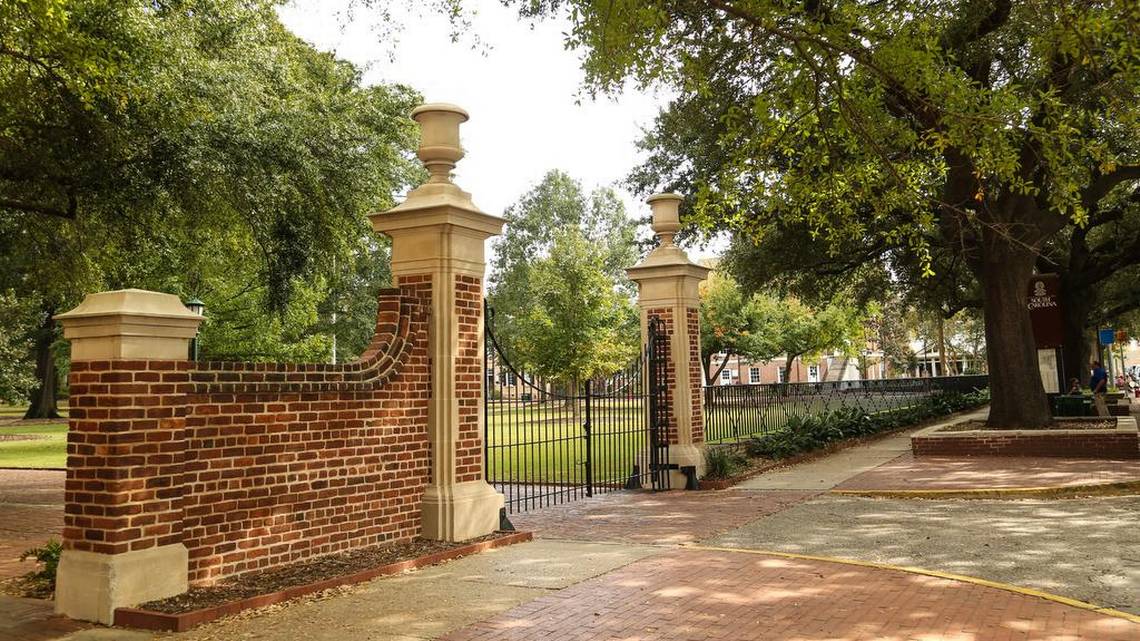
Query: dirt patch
[[312, 571], [1073, 424], [22, 437]]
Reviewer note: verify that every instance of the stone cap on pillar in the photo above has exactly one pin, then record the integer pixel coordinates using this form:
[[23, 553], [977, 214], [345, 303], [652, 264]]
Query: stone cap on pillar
[[438, 208], [667, 261], [129, 324]]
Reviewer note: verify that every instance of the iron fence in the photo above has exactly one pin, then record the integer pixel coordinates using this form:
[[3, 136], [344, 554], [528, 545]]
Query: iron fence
[[736, 412], [546, 444]]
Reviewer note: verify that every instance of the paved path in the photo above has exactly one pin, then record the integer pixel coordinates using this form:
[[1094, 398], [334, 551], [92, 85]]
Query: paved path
[[825, 473], [31, 512], [907, 472], [697, 595]]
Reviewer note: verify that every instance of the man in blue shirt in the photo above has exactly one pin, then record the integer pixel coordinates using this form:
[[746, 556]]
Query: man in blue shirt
[[1099, 384]]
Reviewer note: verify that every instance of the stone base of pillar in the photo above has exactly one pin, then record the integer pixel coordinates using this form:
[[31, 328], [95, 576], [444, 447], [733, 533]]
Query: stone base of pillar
[[90, 585], [685, 455], [460, 512]]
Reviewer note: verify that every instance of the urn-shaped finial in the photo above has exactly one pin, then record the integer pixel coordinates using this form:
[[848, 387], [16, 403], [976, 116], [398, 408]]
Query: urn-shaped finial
[[439, 140], [666, 216]]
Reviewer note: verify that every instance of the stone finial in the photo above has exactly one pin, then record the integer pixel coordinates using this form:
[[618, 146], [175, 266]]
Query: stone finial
[[666, 216], [439, 141]]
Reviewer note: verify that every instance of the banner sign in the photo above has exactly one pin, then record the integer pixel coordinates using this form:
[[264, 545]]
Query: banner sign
[[1045, 310]]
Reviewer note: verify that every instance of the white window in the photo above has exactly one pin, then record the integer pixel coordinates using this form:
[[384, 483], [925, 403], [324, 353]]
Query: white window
[[753, 375], [725, 375], [813, 373], [782, 375], [512, 380]]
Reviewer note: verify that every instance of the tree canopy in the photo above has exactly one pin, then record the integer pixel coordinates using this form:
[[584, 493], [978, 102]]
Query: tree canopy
[[195, 147], [983, 126]]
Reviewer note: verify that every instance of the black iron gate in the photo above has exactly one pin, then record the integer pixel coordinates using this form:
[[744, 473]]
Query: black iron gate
[[546, 443]]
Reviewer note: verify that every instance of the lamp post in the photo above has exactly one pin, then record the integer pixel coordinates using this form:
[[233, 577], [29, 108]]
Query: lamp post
[[195, 306]]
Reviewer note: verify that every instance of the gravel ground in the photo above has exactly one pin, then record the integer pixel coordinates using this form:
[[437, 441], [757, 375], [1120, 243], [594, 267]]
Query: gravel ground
[[1087, 549]]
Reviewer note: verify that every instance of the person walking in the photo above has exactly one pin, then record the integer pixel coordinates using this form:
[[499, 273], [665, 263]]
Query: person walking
[[1099, 384]]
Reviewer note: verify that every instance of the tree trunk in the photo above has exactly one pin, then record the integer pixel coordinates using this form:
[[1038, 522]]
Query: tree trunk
[[942, 362], [1076, 352], [1017, 396], [43, 404]]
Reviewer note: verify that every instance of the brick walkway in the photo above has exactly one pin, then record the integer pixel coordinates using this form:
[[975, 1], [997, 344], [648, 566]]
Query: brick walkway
[[930, 473], [674, 517], [697, 595], [31, 512]]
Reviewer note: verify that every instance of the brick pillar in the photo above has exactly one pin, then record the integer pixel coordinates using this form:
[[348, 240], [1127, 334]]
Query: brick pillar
[[437, 245], [668, 289], [122, 532]]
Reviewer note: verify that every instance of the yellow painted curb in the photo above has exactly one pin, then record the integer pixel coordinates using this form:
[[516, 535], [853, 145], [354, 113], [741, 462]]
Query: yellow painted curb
[[1117, 488], [1056, 598]]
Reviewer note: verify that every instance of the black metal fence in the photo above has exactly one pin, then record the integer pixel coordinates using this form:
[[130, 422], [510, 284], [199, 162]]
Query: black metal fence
[[736, 412], [547, 443]]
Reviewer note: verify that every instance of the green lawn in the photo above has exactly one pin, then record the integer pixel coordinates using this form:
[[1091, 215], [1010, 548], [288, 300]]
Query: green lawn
[[47, 452]]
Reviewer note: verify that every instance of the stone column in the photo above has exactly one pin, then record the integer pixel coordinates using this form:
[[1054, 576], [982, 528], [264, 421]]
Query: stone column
[[437, 248], [122, 531], [668, 284]]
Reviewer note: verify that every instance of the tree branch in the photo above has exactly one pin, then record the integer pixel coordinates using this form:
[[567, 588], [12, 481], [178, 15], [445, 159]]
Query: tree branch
[[19, 205]]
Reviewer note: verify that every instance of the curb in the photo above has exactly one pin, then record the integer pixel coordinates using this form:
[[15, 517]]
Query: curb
[[1016, 589], [1117, 488], [161, 621]]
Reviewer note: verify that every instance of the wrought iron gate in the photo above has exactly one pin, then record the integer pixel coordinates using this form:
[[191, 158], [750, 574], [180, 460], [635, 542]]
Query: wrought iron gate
[[546, 444]]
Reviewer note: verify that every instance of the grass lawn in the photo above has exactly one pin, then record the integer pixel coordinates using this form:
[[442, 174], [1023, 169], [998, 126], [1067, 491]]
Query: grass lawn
[[45, 452]]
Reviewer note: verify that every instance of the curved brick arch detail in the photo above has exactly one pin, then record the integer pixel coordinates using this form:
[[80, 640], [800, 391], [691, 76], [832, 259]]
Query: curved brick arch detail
[[400, 324]]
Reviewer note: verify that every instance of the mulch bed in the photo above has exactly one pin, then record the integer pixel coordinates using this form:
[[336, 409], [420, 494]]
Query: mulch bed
[[1077, 424], [303, 573]]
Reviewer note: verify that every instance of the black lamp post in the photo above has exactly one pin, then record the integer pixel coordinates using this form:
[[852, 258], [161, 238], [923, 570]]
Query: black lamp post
[[196, 307]]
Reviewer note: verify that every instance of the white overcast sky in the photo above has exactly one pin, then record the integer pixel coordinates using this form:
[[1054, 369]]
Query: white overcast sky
[[520, 89]]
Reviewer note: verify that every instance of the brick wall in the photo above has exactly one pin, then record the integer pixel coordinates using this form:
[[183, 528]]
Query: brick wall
[[1078, 444], [696, 381], [468, 373], [251, 465], [666, 316]]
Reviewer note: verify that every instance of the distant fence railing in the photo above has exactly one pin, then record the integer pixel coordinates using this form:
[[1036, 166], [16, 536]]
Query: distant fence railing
[[736, 412]]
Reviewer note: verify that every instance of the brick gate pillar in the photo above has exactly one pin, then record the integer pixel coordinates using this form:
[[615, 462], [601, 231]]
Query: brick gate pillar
[[122, 533], [437, 248], [668, 289]]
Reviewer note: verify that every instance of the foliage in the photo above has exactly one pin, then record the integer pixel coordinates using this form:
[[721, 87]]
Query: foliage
[[733, 324], [196, 147], [15, 369], [43, 580], [578, 326], [723, 463], [981, 128], [805, 433]]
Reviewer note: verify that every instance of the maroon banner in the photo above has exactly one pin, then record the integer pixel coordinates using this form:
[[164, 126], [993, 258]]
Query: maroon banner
[[1045, 310]]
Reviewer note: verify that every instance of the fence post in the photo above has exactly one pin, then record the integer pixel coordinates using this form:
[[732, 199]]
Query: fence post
[[668, 289], [122, 533], [587, 430], [437, 251]]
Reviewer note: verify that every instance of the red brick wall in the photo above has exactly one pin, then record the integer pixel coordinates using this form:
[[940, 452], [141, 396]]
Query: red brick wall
[[251, 465], [1121, 445], [696, 381], [468, 374]]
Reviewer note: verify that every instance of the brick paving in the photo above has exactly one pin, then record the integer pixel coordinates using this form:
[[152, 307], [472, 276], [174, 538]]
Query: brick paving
[[936, 473], [31, 512], [33, 620], [698, 595], [673, 517]]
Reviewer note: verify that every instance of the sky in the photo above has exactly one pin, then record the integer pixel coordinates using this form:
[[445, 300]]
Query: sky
[[520, 89]]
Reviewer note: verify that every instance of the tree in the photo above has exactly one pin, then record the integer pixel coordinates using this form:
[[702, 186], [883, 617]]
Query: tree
[[579, 326], [992, 124], [807, 332], [181, 145], [556, 203], [736, 325]]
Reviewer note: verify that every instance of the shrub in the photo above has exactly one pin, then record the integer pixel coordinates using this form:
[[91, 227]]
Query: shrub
[[43, 580], [806, 433], [723, 463]]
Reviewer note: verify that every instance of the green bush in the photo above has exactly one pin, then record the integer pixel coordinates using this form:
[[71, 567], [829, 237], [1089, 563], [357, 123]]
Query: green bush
[[805, 433], [43, 580], [723, 463]]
